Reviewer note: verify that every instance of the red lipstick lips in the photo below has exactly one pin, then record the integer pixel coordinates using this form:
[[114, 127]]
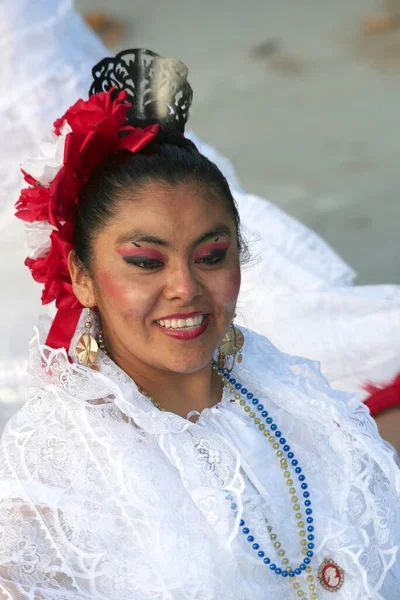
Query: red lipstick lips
[[184, 332]]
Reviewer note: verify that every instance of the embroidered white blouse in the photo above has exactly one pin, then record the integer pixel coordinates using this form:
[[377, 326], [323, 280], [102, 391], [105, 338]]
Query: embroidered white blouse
[[102, 496]]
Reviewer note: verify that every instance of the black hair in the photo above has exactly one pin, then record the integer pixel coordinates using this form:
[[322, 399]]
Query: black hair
[[169, 159]]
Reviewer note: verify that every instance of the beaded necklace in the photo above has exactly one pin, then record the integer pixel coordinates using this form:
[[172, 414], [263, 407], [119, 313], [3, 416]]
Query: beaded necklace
[[265, 423]]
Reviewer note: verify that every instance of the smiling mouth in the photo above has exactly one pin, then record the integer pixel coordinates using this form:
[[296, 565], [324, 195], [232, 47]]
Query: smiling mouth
[[188, 324]]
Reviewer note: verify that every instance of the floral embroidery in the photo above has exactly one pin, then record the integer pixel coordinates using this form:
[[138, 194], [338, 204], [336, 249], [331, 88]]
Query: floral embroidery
[[26, 556], [208, 456], [54, 452]]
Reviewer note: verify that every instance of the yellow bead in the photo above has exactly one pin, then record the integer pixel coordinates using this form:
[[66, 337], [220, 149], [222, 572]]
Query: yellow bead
[[308, 569], [298, 515], [233, 391], [273, 536], [266, 433], [281, 553], [294, 498], [252, 415], [314, 596], [271, 439], [261, 427], [227, 385], [302, 533], [242, 402], [277, 545], [279, 453], [300, 524], [286, 561], [296, 585], [304, 551], [310, 578], [296, 507], [247, 408], [292, 490], [283, 463], [311, 587], [289, 482], [275, 446], [286, 474], [303, 542], [237, 396], [300, 593], [257, 421]]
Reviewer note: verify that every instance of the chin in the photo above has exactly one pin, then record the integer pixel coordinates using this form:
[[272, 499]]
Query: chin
[[185, 365]]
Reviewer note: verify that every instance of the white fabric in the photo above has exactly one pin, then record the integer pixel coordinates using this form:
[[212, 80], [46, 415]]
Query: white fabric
[[47, 54], [296, 290], [105, 497]]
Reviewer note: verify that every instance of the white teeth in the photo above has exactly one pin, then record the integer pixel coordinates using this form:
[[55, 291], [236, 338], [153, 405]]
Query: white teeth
[[182, 323]]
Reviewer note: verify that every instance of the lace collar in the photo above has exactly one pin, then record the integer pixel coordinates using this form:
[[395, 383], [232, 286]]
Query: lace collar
[[266, 372], [135, 405]]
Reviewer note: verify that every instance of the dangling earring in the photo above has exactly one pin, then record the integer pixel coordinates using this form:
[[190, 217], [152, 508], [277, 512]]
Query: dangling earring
[[231, 346], [87, 349]]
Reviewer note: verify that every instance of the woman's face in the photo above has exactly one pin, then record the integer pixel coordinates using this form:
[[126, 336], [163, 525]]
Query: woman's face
[[165, 278]]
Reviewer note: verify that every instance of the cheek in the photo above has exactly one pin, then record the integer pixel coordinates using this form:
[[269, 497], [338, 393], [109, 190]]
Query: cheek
[[227, 289], [120, 298]]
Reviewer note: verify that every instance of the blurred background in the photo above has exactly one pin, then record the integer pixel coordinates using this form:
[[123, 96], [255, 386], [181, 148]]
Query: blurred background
[[302, 96]]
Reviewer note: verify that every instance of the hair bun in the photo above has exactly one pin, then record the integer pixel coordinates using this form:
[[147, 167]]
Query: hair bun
[[168, 135]]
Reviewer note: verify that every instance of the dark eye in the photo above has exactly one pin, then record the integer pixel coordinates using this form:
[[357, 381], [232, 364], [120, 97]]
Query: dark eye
[[150, 264], [214, 258]]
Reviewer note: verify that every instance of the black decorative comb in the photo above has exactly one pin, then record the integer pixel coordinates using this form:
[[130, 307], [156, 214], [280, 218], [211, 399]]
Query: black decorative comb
[[157, 87]]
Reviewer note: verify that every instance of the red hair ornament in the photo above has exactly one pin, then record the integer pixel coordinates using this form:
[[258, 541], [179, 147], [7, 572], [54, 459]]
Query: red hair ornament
[[89, 132]]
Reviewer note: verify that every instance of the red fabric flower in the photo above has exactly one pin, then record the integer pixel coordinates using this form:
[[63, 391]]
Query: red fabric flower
[[52, 270], [96, 126], [34, 202], [85, 114]]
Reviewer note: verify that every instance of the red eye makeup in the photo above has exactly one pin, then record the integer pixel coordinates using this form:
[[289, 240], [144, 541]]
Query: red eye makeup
[[213, 249], [143, 258], [143, 253]]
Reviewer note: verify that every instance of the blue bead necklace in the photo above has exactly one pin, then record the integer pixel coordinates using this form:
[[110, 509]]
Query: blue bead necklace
[[265, 423]]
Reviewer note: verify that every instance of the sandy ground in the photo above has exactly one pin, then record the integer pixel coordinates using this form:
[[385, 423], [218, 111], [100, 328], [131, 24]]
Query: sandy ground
[[304, 104]]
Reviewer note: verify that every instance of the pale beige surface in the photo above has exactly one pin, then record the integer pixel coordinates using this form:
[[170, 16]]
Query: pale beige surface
[[313, 127]]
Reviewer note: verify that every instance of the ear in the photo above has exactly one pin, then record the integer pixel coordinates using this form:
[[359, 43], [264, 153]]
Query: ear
[[82, 283]]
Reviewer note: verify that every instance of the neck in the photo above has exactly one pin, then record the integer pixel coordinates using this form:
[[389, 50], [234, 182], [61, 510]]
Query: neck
[[183, 393], [179, 393]]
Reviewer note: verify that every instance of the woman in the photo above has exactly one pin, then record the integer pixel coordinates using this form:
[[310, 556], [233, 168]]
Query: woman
[[179, 460], [297, 291]]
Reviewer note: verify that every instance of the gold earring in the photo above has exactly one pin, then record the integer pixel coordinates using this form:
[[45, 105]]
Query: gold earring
[[231, 346], [87, 349]]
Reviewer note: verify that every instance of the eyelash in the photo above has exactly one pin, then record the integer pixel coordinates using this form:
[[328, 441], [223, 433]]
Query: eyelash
[[151, 264], [147, 264], [214, 258]]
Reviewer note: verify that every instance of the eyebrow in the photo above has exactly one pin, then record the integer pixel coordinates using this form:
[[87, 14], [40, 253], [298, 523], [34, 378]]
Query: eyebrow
[[138, 236]]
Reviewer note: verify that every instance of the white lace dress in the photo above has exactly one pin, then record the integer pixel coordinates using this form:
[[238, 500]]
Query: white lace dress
[[296, 290], [105, 497]]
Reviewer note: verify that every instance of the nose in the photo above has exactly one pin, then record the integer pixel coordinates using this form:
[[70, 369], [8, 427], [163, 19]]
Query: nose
[[182, 284]]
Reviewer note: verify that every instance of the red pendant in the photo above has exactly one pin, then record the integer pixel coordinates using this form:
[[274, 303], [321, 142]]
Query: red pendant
[[330, 575]]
